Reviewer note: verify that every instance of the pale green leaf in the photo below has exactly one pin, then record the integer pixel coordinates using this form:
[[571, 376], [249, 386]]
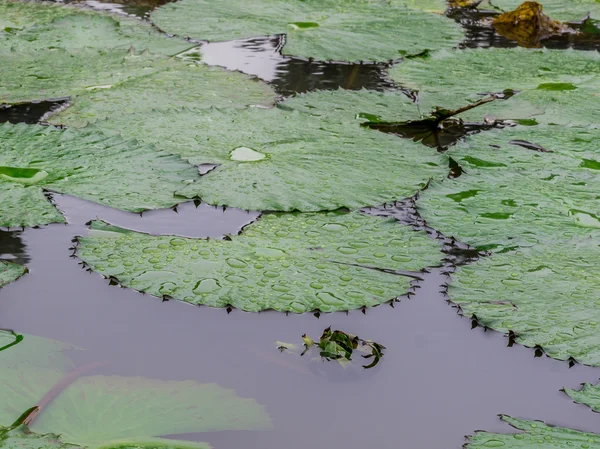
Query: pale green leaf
[[588, 394], [16, 15], [10, 272], [345, 30], [107, 170], [286, 262], [20, 437]]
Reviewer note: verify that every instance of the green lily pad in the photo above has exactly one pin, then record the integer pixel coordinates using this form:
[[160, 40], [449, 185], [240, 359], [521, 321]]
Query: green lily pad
[[510, 196], [546, 295], [572, 10], [124, 408], [175, 84], [89, 29], [535, 434], [107, 170], [543, 78], [16, 15], [316, 154], [588, 394], [287, 262], [19, 436], [10, 272], [325, 30]]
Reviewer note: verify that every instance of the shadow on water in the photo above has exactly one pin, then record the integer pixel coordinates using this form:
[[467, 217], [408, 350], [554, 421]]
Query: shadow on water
[[12, 247], [137, 8], [480, 32], [29, 113]]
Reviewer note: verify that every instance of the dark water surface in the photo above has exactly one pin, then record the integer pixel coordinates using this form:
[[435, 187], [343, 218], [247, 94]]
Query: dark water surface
[[438, 381]]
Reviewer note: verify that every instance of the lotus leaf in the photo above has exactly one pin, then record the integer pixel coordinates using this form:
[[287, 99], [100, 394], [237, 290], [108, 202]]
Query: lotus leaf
[[107, 170], [543, 77], [546, 295], [572, 10], [287, 262], [315, 158], [83, 28], [589, 395], [535, 434], [10, 272], [28, 371], [510, 195], [344, 30], [175, 84], [8, 339], [123, 408], [18, 14]]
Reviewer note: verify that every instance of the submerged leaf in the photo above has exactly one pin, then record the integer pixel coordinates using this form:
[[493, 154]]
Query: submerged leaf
[[107, 170], [10, 272], [333, 29], [477, 72], [308, 154], [535, 434], [287, 262], [124, 408]]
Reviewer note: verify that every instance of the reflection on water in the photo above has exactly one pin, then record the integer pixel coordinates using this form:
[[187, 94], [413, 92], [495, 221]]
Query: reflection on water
[[12, 247], [29, 113], [261, 57]]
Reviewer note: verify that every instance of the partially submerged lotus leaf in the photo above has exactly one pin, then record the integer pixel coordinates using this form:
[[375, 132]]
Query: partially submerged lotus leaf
[[572, 10], [10, 272], [168, 84], [527, 25], [125, 408], [338, 345], [18, 435], [317, 156], [107, 170], [520, 186], [532, 73], [287, 262], [342, 30], [588, 394], [535, 434]]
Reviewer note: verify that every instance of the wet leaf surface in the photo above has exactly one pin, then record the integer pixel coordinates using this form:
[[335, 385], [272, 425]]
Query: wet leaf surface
[[331, 30], [287, 262], [10, 272], [107, 170], [534, 434], [588, 395]]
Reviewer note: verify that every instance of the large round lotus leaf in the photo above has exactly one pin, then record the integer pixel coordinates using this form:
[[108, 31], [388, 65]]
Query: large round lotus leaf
[[571, 10], [107, 170], [317, 158], [133, 103], [19, 14], [547, 295], [90, 29], [348, 30], [28, 371], [535, 435], [10, 272], [287, 262], [510, 195], [453, 78], [122, 408]]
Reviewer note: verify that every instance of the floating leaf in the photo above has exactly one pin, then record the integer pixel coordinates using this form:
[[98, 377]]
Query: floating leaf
[[106, 170], [509, 195], [571, 10], [308, 154], [15, 15], [10, 272], [89, 29], [171, 84], [287, 262], [535, 434], [123, 408], [19, 436], [478, 72], [334, 29], [588, 394]]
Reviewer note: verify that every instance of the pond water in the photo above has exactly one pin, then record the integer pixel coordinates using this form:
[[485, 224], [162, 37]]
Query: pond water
[[439, 379]]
